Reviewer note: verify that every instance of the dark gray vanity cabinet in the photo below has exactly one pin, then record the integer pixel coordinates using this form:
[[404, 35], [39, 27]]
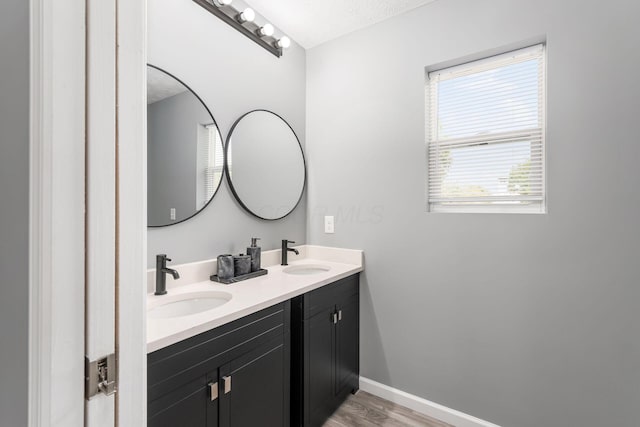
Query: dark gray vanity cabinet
[[325, 333], [234, 375], [258, 392]]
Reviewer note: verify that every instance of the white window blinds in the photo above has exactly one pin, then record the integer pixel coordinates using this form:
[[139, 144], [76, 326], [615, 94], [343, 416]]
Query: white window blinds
[[215, 162], [210, 163], [486, 134]]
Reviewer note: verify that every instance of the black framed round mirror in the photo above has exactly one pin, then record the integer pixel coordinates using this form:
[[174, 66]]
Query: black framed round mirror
[[265, 165], [185, 152]]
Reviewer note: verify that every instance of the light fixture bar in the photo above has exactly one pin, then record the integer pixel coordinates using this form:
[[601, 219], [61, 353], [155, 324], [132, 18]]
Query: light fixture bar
[[229, 14]]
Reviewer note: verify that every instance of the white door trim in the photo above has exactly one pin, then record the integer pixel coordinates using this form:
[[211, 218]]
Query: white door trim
[[101, 209], [58, 37], [56, 213], [132, 213]]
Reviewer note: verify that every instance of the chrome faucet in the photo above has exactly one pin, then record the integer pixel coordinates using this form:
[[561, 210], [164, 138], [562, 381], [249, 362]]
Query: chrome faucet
[[286, 249], [161, 272]]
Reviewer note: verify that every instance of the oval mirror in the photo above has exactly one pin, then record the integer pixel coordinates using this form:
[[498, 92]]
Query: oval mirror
[[185, 154], [265, 165]]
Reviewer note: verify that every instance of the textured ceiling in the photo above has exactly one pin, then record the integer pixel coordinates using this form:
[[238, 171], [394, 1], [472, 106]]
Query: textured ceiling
[[161, 86], [313, 22]]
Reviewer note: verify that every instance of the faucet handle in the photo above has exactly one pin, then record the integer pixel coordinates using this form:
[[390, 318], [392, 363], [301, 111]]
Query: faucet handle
[[162, 258], [290, 241]]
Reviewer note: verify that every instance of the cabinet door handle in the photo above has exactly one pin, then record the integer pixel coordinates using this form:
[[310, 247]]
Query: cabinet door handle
[[334, 318], [227, 384], [213, 390], [339, 315]]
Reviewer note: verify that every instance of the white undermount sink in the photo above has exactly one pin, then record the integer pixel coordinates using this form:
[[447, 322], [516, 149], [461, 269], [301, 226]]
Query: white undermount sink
[[186, 304], [307, 269]]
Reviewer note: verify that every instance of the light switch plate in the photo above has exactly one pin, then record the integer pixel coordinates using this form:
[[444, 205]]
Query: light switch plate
[[329, 225], [172, 214]]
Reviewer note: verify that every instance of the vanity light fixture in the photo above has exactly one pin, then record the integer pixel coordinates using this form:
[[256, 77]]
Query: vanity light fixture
[[243, 22], [266, 30], [284, 42], [247, 15]]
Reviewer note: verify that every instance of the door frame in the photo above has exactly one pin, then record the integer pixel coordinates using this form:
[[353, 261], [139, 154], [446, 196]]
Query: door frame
[[56, 213], [131, 164], [57, 227]]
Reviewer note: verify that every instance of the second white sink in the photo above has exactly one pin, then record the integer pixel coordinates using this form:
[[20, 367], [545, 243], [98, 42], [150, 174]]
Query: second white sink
[[306, 269], [187, 304]]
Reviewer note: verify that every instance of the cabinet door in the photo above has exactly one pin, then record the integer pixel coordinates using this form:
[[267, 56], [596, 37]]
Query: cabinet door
[[253, 390], [213, 399], [347, 344], [319, 367], [188, 405]]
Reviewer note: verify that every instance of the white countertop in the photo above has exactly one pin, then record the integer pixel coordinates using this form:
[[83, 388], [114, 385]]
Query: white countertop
[[251, 295]]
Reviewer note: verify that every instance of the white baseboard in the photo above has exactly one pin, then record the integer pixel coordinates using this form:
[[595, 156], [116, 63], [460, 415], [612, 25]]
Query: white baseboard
[[424, 406]]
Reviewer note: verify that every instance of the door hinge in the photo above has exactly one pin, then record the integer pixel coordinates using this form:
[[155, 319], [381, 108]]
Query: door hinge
[[100, 376]]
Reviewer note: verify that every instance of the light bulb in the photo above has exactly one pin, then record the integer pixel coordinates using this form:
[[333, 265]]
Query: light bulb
[[284, 42], [265, 30], [224, 2], [247, 15]]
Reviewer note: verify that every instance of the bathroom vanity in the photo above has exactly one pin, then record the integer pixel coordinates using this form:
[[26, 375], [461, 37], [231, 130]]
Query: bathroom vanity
[[236, 374], [325, 350], [283, 350]]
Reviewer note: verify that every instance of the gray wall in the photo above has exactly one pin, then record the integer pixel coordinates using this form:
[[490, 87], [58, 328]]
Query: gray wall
[[14, 210], [172, 147], [522, 320], [232, 75]]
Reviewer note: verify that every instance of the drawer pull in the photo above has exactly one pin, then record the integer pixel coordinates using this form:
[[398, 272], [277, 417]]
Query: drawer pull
[[213, 391], [227, 384], [339, 315]]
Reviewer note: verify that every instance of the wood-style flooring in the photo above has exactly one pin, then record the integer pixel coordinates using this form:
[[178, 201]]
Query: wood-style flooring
[[367, 410]]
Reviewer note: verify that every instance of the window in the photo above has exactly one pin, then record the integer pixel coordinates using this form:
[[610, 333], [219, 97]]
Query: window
[[210, 163], [486, 135]]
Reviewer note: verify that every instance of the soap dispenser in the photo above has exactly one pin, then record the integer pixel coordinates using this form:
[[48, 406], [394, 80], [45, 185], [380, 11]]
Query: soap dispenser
[[254, 252]]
